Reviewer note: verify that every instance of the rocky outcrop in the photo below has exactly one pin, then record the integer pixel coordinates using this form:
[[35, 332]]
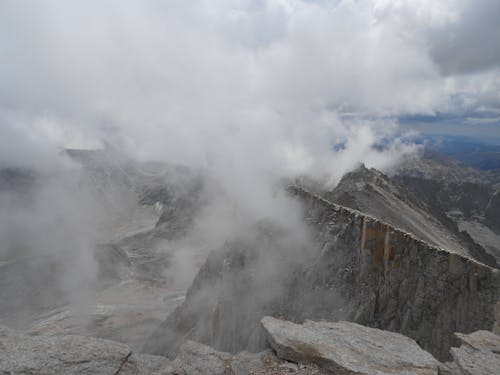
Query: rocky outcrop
[[409, 286], [348, 348], [456, 195], [24, 354], [479, 353], [198, 359], [313, 348], [355, 268], [417, 206], [71, 354]]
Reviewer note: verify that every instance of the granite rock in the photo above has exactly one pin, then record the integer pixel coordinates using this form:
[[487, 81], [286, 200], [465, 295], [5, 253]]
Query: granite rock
[[71, 354], [479, 353], [348, 348]]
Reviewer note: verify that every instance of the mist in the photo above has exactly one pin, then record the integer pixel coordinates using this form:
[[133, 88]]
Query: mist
[[247, 96]]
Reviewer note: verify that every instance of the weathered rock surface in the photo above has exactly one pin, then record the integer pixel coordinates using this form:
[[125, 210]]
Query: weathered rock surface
[[313, 348], [70, 354], [479, 353], [199, 359], [348, 348], [481, 340]]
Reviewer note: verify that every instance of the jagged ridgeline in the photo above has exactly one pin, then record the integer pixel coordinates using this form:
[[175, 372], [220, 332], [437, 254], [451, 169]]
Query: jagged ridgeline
[[357, 268]]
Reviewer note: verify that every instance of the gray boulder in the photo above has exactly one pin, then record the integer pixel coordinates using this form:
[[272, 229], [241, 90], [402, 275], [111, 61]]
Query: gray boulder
[[23, 354], [70, 354], [479, 353], [199, 359], [348, 348], [481, 340]]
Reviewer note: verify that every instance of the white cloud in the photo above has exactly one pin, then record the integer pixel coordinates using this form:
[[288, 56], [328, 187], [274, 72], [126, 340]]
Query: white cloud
[[193, 81]]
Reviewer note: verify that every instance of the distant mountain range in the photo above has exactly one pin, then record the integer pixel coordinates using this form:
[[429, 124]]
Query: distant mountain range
[[469, 151]]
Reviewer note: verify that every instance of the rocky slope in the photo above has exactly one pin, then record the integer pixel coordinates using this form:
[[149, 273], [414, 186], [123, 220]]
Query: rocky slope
[[453, 192], [106, 275], [372, 192], [71, 354], [347, 265], [313, 348]]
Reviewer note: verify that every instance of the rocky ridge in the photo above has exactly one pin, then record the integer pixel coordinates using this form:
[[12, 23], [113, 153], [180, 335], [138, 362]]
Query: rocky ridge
[[358, 269], [401, 204]]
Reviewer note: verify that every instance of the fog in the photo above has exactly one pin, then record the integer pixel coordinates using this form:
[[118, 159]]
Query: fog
[[247, 94]]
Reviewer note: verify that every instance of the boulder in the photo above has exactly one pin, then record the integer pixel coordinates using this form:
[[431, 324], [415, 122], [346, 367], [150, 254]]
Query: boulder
[[71, 354], [348, 348], [471, 361], [198, 359], [479, 353], [481, 340]]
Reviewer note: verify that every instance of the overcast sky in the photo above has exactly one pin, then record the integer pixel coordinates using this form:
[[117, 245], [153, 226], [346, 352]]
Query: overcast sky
[[183, 80]]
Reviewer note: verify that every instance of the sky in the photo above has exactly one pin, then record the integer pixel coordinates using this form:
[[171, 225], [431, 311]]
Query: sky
[[273, 83]]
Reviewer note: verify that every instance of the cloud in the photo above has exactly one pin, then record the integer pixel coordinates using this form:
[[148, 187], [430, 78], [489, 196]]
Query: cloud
[[249, 91], [472, 42], [268, 82]]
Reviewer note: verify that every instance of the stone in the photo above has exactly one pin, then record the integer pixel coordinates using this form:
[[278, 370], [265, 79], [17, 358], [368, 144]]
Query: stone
[[348, 348], [449, 368], [479, 353], [476, 362], [481, 340], [198, 359], [150, 364], [71, 354], [245, 362]]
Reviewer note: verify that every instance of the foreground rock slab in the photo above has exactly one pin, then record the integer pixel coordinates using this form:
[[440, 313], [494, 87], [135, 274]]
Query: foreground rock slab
[[70, 354], [479, 353], [199, 359], [348, 348]]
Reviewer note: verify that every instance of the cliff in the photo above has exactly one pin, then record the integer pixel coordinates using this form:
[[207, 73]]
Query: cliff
[[406, 285], [355, 268]]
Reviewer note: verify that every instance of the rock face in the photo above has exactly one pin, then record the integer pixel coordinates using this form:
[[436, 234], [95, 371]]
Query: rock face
[[348, 348], [355, 268], [375, 194], [406, 285], [479, 353]]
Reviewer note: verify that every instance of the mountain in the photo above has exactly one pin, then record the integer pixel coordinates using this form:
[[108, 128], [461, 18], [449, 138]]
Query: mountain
[[373, 193], [354, 267], [455, 193], [86, 248], [469, 151], [111, 248]]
